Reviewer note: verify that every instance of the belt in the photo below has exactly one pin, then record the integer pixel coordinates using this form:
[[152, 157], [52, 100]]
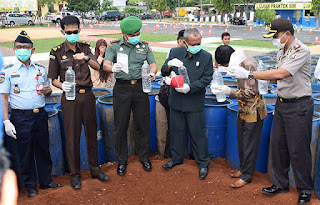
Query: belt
[[293, 100], [35, 110], [83, 90], [131, 82]]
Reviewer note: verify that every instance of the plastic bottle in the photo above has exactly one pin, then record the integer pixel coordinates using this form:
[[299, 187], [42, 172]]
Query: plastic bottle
[[183, 71], [217, 79], [146, 82], [71, 78], [262, 84]]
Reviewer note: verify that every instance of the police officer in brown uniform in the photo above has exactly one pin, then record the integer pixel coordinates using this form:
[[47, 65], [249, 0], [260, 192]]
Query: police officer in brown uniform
[[82, 109], [292, 122]]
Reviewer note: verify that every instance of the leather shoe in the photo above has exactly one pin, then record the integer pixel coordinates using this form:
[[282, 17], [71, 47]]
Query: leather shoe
[[170, 165], [236, 174], [122, 169], [32, 192], [238, 183], [101, 177], [52, 185], [304, 198], [75, 184], [146, 165], [273, 190], [203, 172]]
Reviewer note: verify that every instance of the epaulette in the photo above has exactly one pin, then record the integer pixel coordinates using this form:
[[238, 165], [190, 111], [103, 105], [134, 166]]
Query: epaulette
[[84, 42], [143, 41], [296, 46], [115, 41], [57, 47], [39, 65], [8, 66]]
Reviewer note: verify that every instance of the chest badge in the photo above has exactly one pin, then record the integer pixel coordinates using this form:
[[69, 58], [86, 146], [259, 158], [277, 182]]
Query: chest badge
[[121, 49], [137, 46], [64, 57], [39, 73], [143, 46], [16, 89], [197, 63]]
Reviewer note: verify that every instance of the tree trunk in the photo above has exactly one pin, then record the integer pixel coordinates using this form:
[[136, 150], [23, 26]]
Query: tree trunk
[[160, 16], [317, 20]]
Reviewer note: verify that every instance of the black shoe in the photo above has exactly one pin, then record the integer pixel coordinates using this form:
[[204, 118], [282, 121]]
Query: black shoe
[[304, 198], [101, 177], [32, 192], [203, 172], [52, 185], [170, 165], [273, 190], [75, 184], [122, 169], [146, 165]]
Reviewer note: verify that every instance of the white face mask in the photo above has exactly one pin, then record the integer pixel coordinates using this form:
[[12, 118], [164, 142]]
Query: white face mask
[[276, 42]]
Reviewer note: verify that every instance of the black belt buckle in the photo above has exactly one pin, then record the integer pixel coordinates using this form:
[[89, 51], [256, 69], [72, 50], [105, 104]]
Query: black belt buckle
[[133, 82], [293, 100]]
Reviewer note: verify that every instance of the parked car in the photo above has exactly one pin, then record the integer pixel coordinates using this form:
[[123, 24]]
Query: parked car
[[112, 15], [90, 15], [56, 18], [145, 15], [238, 21], [17, 18]]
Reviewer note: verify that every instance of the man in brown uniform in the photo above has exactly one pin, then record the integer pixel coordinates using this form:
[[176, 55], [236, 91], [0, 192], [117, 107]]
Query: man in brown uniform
[[82, 109]]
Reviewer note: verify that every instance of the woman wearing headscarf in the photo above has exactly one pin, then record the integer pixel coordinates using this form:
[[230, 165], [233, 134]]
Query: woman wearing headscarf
[[101, 78]]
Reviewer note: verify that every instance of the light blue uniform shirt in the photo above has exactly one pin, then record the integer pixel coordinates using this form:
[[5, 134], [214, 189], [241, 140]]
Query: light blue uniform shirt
[[18, 75]]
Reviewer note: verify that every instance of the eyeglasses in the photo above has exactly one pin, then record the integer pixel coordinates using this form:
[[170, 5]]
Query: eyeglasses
[[23, 47], [71, 32]]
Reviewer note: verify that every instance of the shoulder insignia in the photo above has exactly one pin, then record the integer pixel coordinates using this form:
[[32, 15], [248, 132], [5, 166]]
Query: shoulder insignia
[[293, 56], [296, 46], [39, 65], [143, 41], [54, 48], [115, 41], [52, 57], [8, 66], [84, 42], [109, 44]]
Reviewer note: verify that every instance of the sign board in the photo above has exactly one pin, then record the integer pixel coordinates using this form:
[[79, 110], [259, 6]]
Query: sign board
[[22, 5], [284, 6]]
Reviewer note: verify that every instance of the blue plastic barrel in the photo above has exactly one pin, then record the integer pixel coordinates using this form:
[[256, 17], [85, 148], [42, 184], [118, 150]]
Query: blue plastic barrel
[[315, 87], [216, 124], [232, 154], [156, 84], [54, 97], [153, 147], [55, 143], [100, 139], [101, 91], [50, 105], [261, 57], [270, 98]]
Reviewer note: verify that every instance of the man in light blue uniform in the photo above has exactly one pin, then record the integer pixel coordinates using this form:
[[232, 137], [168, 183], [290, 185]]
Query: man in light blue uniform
[[27, 85]]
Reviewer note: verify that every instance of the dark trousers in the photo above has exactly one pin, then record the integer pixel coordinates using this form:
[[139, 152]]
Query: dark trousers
[[127, 97], [76, 112], [33, 147], [291, 137], [195, 122], [249, 135]]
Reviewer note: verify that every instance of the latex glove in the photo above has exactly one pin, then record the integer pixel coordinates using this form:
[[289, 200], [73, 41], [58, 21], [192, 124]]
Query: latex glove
[[116, 68], [167, 80], [175, 62], [238, 72], [185, 89], [10, 129], [66, 86], [220, 89]]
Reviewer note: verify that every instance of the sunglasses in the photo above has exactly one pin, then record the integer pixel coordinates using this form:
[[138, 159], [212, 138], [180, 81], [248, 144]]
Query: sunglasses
[[71, 32], [23, 47]]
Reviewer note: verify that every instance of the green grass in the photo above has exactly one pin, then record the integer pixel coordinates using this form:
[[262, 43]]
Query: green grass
[[151, 37], [160, 58], [44, 45]]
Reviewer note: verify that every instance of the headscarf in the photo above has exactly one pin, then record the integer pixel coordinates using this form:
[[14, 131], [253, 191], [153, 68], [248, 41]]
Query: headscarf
[[103, 75]]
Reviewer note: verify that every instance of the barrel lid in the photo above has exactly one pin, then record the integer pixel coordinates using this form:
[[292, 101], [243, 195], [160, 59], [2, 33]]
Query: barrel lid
[[234, 107], [51, 112], [211, 101], [106, 99]]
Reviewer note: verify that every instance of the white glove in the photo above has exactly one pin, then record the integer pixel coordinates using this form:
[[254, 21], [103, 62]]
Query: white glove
[[220, 89], [175, 62], [185, 89], [167, 80], [116, 68], [9, 128], [238, 72], [66, 86]]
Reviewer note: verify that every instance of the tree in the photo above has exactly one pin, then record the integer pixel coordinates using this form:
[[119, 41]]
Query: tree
[[265, 15], [83, 6], [315, 8], [105, 5], [160, 5]]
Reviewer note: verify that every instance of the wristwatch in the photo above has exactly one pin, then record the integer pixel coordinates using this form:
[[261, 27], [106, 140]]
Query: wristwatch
[[87, 60], [250, 76], [152, 75]]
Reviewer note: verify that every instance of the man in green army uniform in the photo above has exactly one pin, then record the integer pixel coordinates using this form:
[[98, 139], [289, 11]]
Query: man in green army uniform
[[125, 57]]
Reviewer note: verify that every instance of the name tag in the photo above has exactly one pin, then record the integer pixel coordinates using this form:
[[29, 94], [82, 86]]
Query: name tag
[[65, 60], [15, 76]]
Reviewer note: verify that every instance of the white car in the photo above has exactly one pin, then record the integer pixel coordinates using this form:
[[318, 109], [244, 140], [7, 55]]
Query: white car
[[16, 18], [59, 15]]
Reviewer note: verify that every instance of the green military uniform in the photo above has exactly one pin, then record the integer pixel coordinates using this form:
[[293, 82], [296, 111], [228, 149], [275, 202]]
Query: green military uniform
[[128, 95]]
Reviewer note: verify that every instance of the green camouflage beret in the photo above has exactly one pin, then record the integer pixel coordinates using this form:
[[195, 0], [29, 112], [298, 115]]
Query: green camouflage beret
[[130, 25]]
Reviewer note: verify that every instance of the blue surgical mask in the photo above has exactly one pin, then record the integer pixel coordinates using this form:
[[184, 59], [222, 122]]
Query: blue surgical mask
[[134, 40], [194, 49], [23, 54], [73, 38]]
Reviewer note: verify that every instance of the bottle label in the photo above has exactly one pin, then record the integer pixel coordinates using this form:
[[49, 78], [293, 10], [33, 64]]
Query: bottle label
[[38, 88]]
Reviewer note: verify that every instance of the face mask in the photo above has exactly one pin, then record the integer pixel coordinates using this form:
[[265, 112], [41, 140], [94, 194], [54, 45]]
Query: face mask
[[193, 49], [23, 54], [134, 40], [73, 38], [276, 42]]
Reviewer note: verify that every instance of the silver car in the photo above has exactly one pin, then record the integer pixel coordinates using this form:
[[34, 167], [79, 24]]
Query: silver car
[[17, 18]]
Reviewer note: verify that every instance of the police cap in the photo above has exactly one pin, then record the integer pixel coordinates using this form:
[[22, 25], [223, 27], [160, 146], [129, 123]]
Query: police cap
[[278, 25], [23, 38], [130, 25]]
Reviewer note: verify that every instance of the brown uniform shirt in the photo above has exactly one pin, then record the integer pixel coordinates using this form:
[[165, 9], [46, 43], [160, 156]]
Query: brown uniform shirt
[[61, 57], [248, 95]]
